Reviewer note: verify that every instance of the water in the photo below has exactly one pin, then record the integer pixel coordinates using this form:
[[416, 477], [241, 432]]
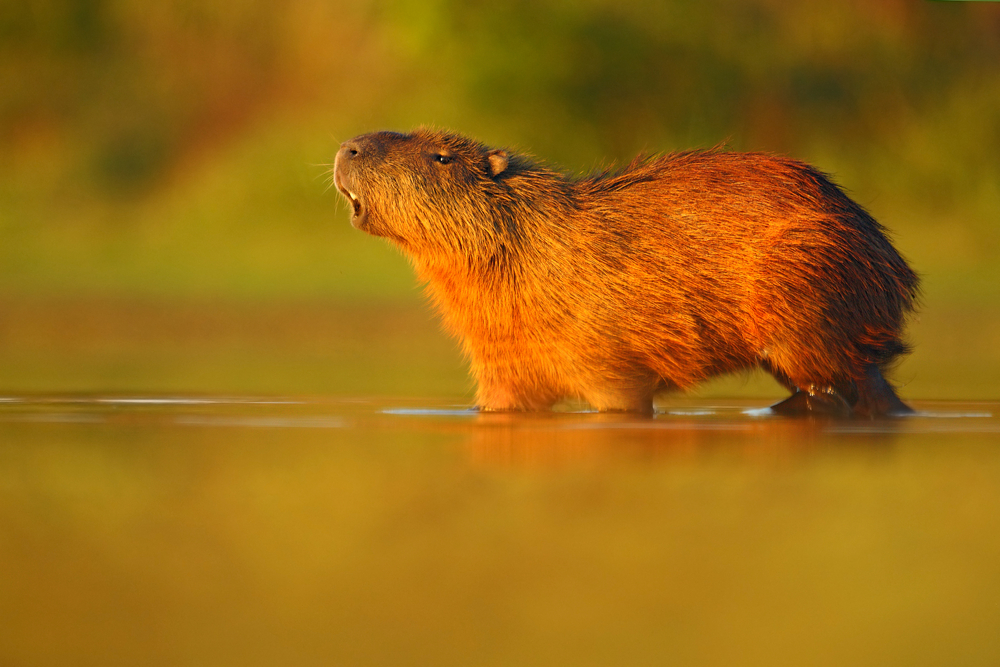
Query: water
[[297, 531]]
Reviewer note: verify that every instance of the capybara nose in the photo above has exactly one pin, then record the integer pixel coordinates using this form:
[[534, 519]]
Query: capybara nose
[[367, 146]]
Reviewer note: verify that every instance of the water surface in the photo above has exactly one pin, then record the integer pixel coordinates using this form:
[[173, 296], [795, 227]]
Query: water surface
[[285, 530]]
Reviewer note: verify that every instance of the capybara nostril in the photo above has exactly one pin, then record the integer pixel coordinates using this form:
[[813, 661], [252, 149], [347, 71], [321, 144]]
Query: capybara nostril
[[348, 149]]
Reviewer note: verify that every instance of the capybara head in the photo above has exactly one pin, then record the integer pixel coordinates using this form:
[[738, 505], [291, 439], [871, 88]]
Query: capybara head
[[429, 190]]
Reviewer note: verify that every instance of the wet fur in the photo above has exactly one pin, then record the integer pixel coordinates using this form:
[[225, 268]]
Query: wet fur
[[670, 271]]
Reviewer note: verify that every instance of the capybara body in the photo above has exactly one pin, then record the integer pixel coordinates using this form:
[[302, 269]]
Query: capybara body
[[669, 271]]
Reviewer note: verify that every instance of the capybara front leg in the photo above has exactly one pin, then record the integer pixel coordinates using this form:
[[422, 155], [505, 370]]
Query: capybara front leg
[[505, 395]]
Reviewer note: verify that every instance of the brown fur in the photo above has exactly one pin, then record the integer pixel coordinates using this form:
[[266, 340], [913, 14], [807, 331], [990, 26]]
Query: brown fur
[[662, 274]]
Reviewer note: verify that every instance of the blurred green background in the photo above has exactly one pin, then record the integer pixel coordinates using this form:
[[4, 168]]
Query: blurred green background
[[166, 221]]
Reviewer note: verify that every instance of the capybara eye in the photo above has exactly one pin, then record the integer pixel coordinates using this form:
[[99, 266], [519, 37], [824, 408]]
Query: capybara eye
[[443, 159]]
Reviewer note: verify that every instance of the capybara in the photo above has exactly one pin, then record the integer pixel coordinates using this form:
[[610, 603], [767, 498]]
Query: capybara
[[611, 287]]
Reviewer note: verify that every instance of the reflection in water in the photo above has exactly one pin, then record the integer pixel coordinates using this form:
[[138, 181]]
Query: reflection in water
[[263, 422], [432, 412], [518, 439], [192, 401], [213, 530]]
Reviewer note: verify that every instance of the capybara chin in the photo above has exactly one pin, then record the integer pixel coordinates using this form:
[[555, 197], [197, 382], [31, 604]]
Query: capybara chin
[[612, 287]]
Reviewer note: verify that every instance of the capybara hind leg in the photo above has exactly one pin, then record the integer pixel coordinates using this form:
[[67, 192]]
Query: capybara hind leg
[[807, 398], [876, 397], [826, 402]]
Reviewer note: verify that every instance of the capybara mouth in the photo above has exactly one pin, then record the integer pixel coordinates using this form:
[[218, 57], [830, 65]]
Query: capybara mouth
[[359, 213], [355, 202]]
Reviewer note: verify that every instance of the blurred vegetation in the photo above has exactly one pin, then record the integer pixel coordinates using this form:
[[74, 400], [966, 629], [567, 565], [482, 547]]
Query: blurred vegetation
[[179, 150]]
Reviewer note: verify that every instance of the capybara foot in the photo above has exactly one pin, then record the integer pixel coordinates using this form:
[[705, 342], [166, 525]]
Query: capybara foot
[[820, 403]]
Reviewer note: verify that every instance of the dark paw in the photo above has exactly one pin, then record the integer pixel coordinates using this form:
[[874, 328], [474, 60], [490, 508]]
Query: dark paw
[[821, 403]]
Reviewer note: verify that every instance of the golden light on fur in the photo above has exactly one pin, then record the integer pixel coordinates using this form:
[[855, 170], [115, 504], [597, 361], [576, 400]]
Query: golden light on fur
[[669, 271]]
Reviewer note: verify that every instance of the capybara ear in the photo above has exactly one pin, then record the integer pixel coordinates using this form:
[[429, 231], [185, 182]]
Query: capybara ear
[[498, 162]]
